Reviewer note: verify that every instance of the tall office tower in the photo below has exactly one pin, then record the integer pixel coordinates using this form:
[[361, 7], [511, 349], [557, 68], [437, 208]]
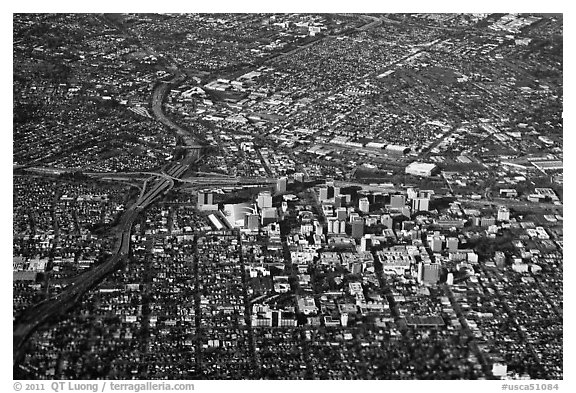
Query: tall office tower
[[371, 221], [436, 244], [431, 273], [420, 272], [269, 215], [386, 220], [338, 201], [342, 213], [336, 192], [424, 204], [406, 211], [452, 244], [330, 192], [264, 200], [253, 222], [365, 243], [420, 204], [358, 228], [342, 226], [333, 226], [205, 198], [337, 227], [408, 225], [397, 201], [364, 205], [503, 214], [281, 184], [299, 177], [425, 194], [318, 228], [323, 194]]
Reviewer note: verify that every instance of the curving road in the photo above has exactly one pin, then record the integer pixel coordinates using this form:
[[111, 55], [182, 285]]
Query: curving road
[[39, 313], [36, 315], [159, 93]]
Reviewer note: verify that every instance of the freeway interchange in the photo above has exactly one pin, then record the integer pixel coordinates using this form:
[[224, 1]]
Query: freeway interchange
[[157, 184], [41, 312]]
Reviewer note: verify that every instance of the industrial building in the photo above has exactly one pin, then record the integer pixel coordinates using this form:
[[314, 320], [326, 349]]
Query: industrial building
[[421, 169]]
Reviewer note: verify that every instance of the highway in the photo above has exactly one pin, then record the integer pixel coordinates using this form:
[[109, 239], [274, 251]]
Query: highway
[[152, 187], [374, 22], [39, 313], [176, 173], [160, 91], [34, 316], [511, 203]]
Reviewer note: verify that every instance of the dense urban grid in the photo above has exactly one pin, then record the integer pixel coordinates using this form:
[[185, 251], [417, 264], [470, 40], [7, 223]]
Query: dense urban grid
[[288, 196]]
